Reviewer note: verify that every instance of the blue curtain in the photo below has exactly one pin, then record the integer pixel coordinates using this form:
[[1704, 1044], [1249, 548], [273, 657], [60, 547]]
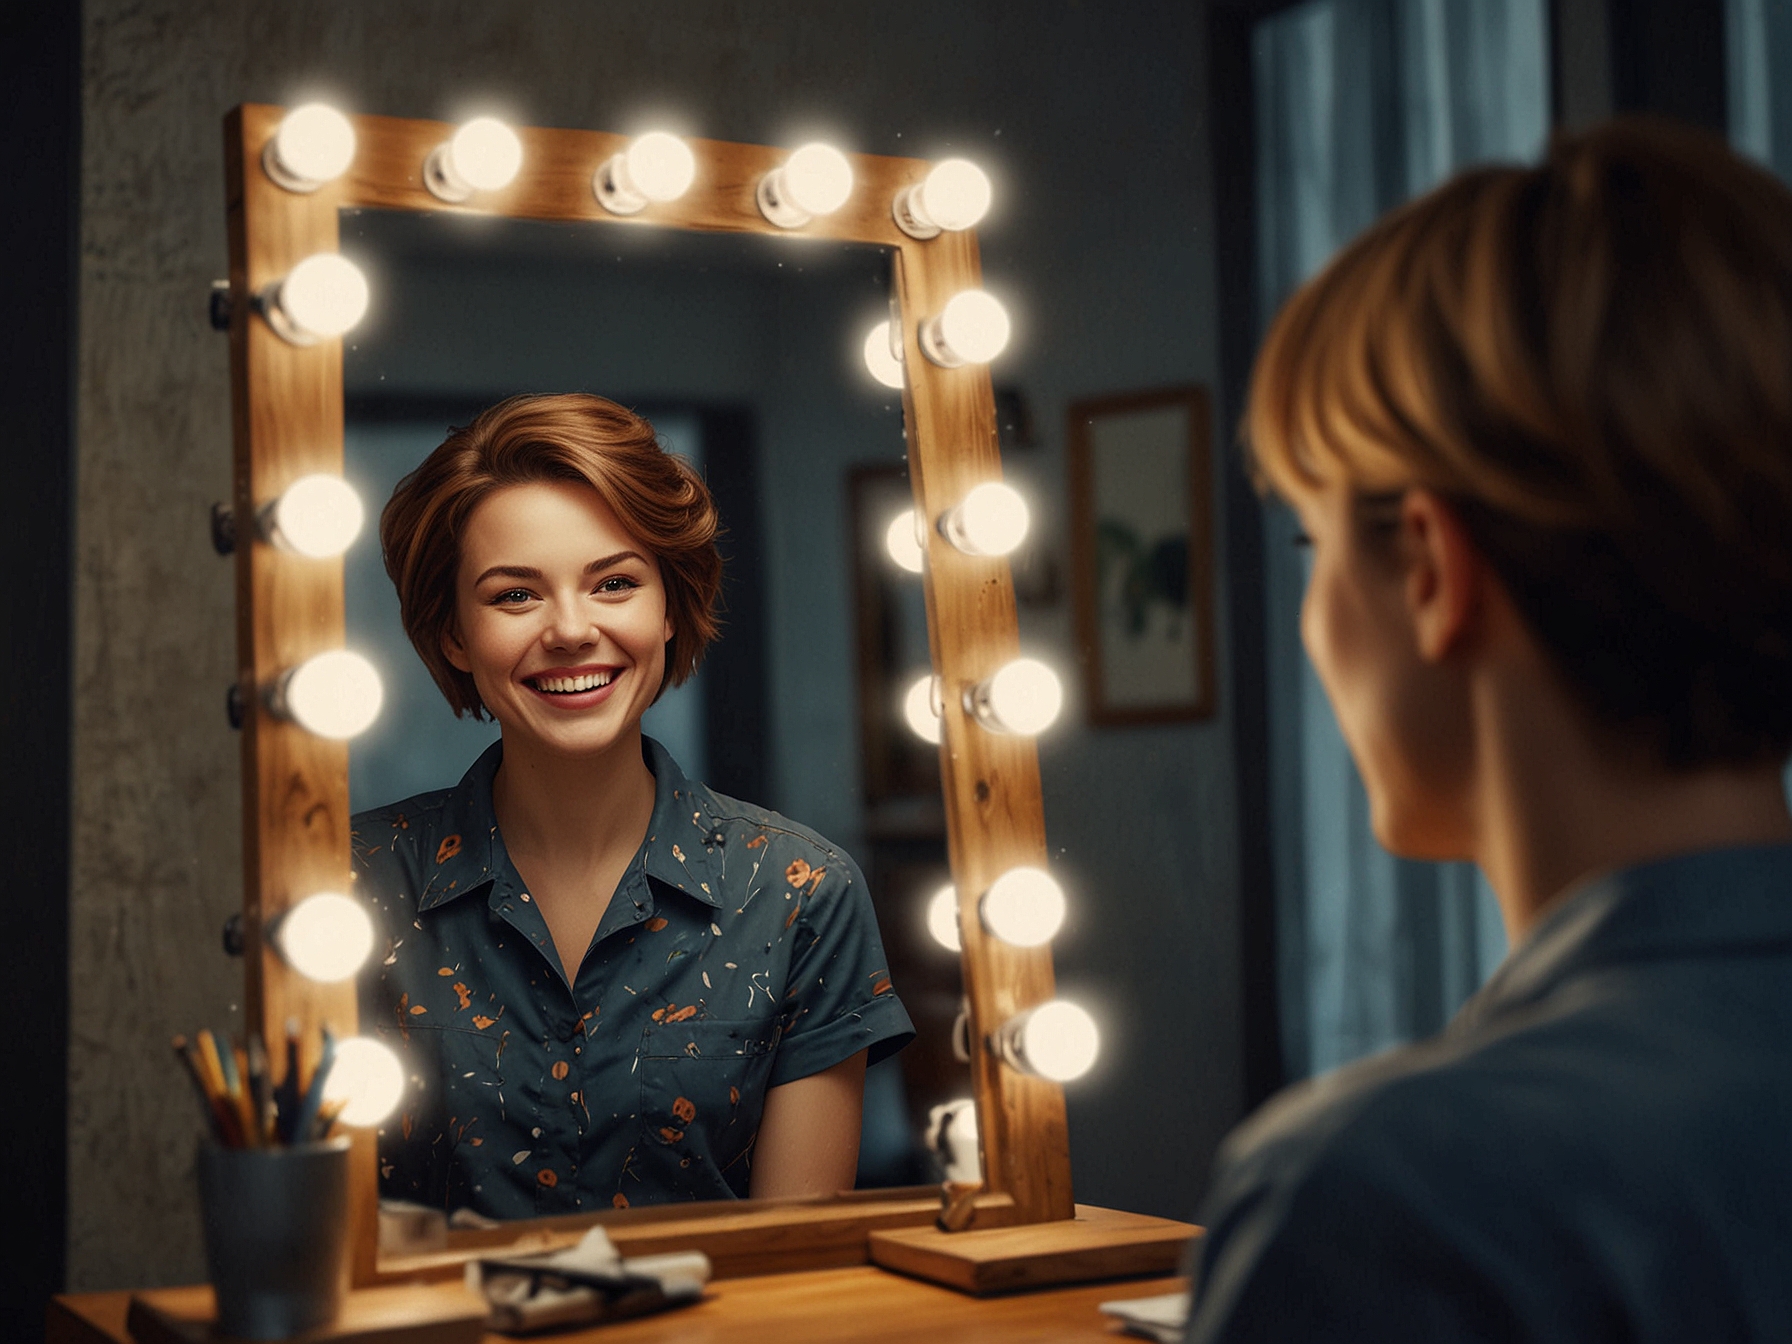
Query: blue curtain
[[1361, 104]]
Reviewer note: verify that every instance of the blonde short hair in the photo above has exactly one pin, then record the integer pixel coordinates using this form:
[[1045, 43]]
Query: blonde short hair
[[1592, 359]]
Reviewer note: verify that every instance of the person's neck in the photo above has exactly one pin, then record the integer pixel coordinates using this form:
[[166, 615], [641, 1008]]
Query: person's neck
[[1563, 800], [573, 810]]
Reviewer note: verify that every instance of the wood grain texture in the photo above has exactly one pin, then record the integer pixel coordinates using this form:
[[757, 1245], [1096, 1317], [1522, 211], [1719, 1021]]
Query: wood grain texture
[[402, 1314], [1098, 1244], [863, 1304], [287, 411]]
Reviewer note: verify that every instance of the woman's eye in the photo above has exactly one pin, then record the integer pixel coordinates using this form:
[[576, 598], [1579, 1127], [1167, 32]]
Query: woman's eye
[[617, 583], [511, 597]]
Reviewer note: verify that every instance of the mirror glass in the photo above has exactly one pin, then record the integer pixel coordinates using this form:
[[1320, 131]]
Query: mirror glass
[[745, 353]]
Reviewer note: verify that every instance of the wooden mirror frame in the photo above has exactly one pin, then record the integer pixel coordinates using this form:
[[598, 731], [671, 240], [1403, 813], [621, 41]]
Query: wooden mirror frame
[[287, 421]]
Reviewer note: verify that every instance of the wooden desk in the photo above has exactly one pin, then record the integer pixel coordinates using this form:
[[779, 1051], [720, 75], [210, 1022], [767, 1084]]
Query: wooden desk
[[858, 1303]]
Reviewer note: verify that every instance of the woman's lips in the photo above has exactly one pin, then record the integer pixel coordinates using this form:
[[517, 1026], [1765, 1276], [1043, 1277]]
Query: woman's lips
[[574, 688]]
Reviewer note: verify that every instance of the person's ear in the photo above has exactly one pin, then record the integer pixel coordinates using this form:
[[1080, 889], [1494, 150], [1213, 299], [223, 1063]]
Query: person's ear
[[1446, 574], [667, 637], [454, 651]]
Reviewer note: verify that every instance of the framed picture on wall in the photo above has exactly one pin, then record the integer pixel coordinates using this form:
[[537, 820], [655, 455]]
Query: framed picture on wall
[[1141, 512]]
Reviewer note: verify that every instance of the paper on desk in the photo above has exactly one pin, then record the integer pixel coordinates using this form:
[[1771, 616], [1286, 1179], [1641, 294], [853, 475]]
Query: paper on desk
[[584, 1284], [1162, 1318]]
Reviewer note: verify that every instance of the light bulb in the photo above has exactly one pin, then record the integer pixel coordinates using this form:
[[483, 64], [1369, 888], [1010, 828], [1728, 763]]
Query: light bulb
[[990, 520], [921, 707], [972, 328], [483, 155], [1021, 697], [903, 543], [367, 1077], [335, 695], [319, 299], [815, 180], [313, 144], [1024, 906], [325, 937], [881, 358], [1056, 1040], [317, 516], [954, 195], [942, 918], [656, 166]]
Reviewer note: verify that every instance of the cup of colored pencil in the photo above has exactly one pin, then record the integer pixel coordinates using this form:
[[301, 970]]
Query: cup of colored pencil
[[273, 1185], [243, 1106]]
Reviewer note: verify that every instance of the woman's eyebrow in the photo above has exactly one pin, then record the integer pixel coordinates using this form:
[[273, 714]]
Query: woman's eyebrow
[[616, 559]]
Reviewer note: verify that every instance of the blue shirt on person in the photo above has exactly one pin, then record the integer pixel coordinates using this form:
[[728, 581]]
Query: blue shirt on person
[[1599, 1147], [739, 952]]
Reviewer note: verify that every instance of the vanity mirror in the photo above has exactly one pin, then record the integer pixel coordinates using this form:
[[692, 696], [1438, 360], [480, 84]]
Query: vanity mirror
[[288, 412]]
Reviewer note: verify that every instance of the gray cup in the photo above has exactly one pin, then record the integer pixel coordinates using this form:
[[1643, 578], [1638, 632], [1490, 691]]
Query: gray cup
[[276, 1235]]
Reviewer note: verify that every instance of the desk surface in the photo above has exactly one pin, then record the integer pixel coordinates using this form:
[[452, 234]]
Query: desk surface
[[859, 1303]]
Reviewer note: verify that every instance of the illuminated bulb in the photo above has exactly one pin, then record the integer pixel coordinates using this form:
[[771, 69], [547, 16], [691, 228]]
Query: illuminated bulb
[[955, 195], [1056, 1040], [1024, 906], [881, 357], [655, 167], [815, 180], [921, 707], [319, 299], [335, 695], [367, 1077], [318, 516], [903, 542], [990, 520], [325, 937], [1022, 697], [313, 144], [972, 328], [942, 918], [483, 155]]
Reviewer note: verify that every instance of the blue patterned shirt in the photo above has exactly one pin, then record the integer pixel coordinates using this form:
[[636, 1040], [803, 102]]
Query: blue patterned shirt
[[739, 952]]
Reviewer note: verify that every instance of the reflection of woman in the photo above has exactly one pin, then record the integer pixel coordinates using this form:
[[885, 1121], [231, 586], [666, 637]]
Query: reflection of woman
[[610, 985], [1538, 428]]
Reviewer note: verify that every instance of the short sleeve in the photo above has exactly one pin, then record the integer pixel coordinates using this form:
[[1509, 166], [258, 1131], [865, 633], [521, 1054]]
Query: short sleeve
[[840, 997]]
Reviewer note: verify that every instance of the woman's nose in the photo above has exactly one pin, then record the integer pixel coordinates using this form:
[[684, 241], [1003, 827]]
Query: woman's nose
[[569, 626]]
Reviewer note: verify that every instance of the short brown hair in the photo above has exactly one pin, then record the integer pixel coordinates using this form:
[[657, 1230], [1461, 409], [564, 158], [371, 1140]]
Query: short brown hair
[[1592, 359], [576, 437]]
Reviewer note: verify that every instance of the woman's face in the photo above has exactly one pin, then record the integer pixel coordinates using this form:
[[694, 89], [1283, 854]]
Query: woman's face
[[1403, 717], [560, 617]]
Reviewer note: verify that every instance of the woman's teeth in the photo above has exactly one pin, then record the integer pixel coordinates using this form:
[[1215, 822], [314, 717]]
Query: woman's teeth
[[588, 681]]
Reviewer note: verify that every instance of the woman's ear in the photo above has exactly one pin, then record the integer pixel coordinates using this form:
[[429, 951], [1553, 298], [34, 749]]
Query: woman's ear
[[454, 652], [1446, 575]]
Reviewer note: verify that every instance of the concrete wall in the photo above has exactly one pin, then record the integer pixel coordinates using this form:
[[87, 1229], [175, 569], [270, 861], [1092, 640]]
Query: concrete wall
[[1092, 120]]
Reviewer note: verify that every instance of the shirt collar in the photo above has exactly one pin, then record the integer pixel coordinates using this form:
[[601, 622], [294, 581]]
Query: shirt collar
[[683, 848], [1690, 905]]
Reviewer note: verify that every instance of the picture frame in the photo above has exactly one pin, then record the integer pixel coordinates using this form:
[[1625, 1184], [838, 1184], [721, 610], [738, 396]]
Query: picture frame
[[1141, 509]]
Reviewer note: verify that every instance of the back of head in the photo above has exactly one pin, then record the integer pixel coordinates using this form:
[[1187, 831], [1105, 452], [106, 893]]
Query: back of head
[[1592, 359]]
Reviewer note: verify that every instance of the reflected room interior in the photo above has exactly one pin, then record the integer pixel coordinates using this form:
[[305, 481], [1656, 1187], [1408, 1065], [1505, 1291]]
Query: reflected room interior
[[744, 353]]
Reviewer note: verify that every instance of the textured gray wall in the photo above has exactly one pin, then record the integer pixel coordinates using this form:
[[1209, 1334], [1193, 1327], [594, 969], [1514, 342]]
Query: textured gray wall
[[1091, 119]]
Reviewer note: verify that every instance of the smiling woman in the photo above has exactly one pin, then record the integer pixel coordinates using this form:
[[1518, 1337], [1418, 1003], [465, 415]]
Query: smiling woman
[[610, 984]]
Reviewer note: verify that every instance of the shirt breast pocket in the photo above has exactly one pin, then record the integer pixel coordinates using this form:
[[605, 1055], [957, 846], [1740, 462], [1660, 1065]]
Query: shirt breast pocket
[[703, 1090]]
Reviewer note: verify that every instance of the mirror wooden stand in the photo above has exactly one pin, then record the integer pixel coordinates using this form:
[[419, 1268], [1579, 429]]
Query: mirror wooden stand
[[287, 415]]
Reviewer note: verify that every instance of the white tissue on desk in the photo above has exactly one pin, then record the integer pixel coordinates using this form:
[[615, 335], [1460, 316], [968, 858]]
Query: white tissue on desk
[[584, 1283], [1162, 1318]]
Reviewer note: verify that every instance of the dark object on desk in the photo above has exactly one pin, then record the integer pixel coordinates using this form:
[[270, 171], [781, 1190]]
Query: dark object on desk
[[585, 1284], [276, 1235]]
